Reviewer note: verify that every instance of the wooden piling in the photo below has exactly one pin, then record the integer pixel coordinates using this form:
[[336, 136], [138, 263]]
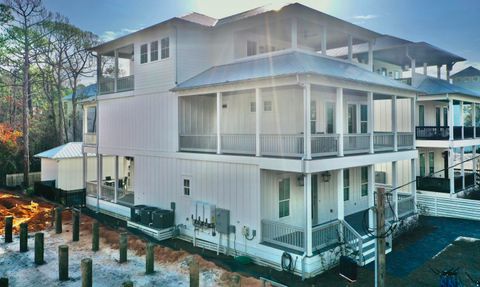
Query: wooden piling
[[4, 282], [8, 229], [63, 262], [76, 226], [39, 248], [123, 247], [149, 258], [58, 220], [95, 236], [86, 266], [194, 274], [127, 284], [23, 237]]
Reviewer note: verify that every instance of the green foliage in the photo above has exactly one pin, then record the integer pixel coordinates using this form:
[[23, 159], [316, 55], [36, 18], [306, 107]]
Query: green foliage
[[29, 191]]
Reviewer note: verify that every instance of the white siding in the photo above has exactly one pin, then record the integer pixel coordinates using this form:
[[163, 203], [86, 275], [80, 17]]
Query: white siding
[[383, 115], [49, 169], [403, 173], [430, 112]]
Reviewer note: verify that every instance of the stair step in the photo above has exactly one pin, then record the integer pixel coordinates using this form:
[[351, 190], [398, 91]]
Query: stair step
[[370, 257]]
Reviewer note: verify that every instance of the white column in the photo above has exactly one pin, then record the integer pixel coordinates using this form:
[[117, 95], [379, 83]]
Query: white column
[[413, 67], [461, 119], [294, 33], [84, 169], [451, 175], [474, 122], [115, 196], [219, 121], [258, 120], [340, 202], [339, 120], [307, 186], [451, 114], [99, 177], [413, 109], [371, 194], [439, 71], [474, 163], [350, 48], [307, 140], [370, 55], [413, 187], [371, 119], [395, 185], [462, 166], [116, 71], [324, 40], [394, 123], [425, 68]]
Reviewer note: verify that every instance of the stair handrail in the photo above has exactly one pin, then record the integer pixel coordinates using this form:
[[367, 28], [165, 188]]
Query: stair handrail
[[357, 236]]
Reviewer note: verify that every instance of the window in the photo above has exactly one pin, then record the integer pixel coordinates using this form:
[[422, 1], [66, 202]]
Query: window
[[284, 198], [397, 75], [154, 51], [186, 186], [422, 164], [363, 119], [352, 119], [91, 120], [346, 184], [330, 118], [313, 117], [445, 117], [431, 162], [143, 54], [253, 107], [251, 48], [267, 106], [364, 178], [384, 72], [165, 48], [437, 116], [421, 115]]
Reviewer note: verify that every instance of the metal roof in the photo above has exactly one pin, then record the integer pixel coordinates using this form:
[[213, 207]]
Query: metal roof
[[200, 19], [83, 93], [285, 64], [467, 72], [68, 150], [435, 86]]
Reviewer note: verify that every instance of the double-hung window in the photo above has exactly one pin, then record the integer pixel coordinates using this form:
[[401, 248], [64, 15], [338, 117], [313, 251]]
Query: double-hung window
[[154, 51], [346, 184], [421, 115], [284, 198], [422, 164], [313, 117], [330, 118], [165, 42], [364, 180], [431, 162], [143, 53], [363, 119], [186, 186]]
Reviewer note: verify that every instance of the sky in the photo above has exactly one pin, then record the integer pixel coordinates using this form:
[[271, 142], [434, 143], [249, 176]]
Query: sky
[[450, 25]]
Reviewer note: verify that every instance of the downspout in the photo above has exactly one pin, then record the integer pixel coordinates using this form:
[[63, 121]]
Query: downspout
[[97, 134]]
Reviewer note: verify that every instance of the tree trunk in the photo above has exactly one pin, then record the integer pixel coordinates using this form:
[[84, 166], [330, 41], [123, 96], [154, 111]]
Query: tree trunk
[[74, 111], [26, 124], [61, 116]]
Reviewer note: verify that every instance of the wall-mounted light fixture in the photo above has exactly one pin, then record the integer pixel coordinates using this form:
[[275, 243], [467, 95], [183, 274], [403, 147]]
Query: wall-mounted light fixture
[[326, 176]]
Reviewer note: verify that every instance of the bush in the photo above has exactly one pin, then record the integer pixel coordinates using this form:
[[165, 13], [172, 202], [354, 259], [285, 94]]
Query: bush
[[30, 191]]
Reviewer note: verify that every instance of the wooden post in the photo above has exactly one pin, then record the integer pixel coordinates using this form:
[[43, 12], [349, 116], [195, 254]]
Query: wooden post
[[149, 264], [123, 247], [127, 284], [380, 260], [76, 226], [4, 282], [58, 220], [86, 266], [194, 274], [39, 248], [23, 237], [63, 262], [95, 236], [8, 228]]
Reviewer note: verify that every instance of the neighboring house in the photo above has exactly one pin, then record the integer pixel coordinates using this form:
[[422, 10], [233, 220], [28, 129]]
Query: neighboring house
[[468, 78], [253, 114], [83, 94]]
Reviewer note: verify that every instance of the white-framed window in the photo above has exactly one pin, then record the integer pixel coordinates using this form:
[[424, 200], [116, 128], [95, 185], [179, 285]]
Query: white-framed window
[[91, 119], [284, 197], [165, 42], [253, 107], [154, 51], [330, 118], [364, 180], [251, 48], [143, 53], [267, 106], [346, 185], [187, 185]]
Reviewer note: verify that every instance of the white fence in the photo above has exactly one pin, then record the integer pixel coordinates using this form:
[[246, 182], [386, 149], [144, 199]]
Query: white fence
[[16, 179], [448, 207]]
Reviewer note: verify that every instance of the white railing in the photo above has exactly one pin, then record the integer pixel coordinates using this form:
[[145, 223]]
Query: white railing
[[92, 189], [282, 234], [199, 143], [16, 179], [90, 139], [383, 141], [107, 192], [356, 143], [282, 145], [406, 206], [405, 140], [448, 207], [324, 144], [106, 85], [353, 240], [125, 83], [238, 143], [324, 235]]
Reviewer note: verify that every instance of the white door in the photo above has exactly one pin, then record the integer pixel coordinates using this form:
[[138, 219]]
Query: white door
[[327, 199]]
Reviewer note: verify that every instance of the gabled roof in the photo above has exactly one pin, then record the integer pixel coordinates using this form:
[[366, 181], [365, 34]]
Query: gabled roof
[[435, 86], [83, 93], [200, 19], [68, 150], [467, 72], [287, 64]]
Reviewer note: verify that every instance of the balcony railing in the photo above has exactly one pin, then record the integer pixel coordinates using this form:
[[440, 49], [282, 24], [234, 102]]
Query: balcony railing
[[125, 83], [281, 145], [356, 143], [283, 235], [432, 133], [405, 140], [238, 143], [90, 139], [406, 206], [383, 141], [107, 84], [324, 235], [324, 145], [440, 184], [198, 143]]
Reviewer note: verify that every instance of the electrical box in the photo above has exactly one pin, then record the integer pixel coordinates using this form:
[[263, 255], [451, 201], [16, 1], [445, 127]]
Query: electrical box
[[222, 217]]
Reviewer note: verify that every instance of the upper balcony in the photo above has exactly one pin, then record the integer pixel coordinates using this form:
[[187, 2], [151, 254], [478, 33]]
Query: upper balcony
[[115, 71]]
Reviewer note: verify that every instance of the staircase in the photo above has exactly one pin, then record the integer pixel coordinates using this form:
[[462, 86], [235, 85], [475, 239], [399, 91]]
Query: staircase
[[369, 249]]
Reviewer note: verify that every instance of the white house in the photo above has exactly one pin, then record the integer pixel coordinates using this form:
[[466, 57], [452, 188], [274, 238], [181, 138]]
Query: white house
[[255, 124]]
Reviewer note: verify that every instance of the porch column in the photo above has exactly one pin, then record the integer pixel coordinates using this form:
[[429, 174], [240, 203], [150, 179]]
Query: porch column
[[115, 195], [219, 121], [425, 69], [413, 111], [462, 166], [371, 195], [294, 33], [340, 198], [473, 113], [439, 71], [371, 120], [84, 169], [451, 114], [307, 135], [370, 55], [451, 175], [258, 120], [462, 123], [474, 163], [350, 48], [394, 186], [324, 40], [339, 120], [99, 178], [116, 70], [307, 186], [413, 175], [394, 123]]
